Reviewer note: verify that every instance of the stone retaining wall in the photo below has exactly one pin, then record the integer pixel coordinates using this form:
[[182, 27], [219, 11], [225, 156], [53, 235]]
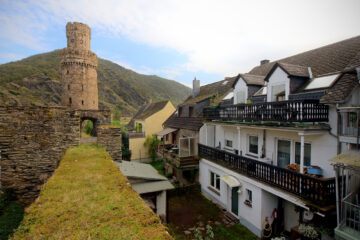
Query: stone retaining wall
[[110, 137], [32, 142]]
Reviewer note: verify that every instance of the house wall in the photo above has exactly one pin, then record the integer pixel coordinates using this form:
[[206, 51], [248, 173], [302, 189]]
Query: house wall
[[251, 217], [264, 197], [138, 150], [323, 145], [291, 216], [151, 125], [278, 77], [240, 86]]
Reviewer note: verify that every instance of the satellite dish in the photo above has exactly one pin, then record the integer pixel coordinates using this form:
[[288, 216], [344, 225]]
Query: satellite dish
[[308, 215]]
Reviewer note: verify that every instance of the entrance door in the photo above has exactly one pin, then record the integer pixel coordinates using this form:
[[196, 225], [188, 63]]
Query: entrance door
[[235, 200], [283, 153]]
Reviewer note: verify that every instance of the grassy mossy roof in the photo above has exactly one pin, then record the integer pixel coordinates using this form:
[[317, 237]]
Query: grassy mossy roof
[[87, 197]]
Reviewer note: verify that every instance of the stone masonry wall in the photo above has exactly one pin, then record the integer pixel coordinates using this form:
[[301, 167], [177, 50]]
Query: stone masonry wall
[[110, 137], [32, 142]]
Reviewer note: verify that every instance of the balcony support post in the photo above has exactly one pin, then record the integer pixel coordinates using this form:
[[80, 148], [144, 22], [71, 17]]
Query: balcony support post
[[239, 139], [206, 134], [302, 147]]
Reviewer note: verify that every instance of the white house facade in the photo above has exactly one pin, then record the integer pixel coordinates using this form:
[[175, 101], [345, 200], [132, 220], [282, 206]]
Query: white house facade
[[269, 158]]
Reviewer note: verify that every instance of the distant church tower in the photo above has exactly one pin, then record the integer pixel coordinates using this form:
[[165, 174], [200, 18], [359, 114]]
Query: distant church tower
[[78, 69]]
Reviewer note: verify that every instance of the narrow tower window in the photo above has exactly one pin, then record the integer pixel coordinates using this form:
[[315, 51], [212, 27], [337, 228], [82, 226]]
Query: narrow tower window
[[82, 73], [69, 87], [82, 102], [67, 72], [70, 101], [82, 87]]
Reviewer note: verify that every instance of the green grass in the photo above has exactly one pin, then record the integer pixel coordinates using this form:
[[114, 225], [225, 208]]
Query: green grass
[[159, 166], [235, 232], [87, 197], [188, 209]]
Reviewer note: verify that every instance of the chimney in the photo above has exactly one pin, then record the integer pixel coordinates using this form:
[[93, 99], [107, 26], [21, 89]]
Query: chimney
[[196, 87], [310, 73], [265, 61]]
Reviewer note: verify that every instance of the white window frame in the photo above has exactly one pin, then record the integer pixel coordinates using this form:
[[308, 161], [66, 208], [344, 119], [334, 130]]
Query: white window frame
[[214, 177], [292, 149], [248, 146], [249, 195], [304, 152]]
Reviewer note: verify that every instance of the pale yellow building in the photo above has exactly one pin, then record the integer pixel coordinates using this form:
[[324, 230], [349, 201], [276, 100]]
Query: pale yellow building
[[146, 122]]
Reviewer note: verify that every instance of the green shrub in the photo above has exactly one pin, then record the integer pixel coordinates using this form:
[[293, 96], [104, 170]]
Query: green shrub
[[151, 142], [89, 127]]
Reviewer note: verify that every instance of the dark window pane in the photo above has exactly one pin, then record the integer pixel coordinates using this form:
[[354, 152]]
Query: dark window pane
[[212, 179], [307, 153], [253, 144]]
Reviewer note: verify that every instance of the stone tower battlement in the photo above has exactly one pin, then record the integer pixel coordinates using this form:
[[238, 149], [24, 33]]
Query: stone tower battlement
[[78, 36], [78, 69]]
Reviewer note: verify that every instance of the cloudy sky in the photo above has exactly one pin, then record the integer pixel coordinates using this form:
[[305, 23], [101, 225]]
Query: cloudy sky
[[180, 39]]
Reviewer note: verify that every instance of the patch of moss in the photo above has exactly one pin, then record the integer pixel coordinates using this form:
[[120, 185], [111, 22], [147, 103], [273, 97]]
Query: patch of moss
[[88, 198]]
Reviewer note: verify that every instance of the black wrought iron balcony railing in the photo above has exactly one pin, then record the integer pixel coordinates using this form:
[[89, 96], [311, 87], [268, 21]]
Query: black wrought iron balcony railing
[[319, 191], [283, 111]]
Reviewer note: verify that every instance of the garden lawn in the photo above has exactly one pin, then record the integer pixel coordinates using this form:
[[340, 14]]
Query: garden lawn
[[189, 209], [87, 197]]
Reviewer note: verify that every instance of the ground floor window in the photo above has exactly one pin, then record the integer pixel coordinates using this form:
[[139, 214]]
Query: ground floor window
[[307, 153], [248, 200], [215, 180], [228, 143]]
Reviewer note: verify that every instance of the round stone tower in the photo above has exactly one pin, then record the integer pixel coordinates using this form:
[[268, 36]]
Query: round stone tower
[[78, 69]]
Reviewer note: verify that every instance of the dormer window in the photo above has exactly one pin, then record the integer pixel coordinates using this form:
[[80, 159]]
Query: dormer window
[[280, 96], [278, 92]]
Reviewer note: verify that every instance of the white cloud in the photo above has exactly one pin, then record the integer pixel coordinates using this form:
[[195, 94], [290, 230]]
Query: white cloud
[[11, 56], [223, 37]]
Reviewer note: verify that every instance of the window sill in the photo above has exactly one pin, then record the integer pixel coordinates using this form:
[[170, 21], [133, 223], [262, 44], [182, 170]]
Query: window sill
[[252, 155], [214, 190], [248, 203]]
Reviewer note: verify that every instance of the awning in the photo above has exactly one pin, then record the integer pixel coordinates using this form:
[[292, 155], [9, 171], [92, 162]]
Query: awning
[[231, 181], [349, 159], [166, 131]]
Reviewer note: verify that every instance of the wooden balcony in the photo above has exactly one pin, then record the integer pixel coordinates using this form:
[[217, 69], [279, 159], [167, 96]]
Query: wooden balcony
[[319, 191], [284, 111], [179, 161]]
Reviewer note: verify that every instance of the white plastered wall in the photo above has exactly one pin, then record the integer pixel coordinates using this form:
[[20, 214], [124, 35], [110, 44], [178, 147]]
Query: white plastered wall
[[278, 77], [161, 203], [240, 86]]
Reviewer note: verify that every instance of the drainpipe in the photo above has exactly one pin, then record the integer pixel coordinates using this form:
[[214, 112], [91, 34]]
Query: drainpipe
[[264, 144]]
